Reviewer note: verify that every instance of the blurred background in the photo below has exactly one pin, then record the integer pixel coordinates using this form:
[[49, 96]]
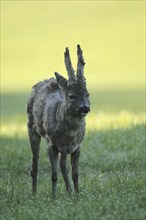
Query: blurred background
[[34, 35]]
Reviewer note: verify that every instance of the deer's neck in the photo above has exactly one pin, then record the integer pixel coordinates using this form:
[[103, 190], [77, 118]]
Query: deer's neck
[[64, 118]]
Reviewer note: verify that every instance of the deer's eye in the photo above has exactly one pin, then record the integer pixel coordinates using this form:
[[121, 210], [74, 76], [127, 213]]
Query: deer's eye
[[71, 97]]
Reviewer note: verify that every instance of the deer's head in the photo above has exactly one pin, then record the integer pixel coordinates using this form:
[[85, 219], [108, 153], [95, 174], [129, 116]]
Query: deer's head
[[75, 91]]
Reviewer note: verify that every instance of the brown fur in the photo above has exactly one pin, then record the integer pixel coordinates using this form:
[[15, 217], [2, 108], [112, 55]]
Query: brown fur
[[56, 111]]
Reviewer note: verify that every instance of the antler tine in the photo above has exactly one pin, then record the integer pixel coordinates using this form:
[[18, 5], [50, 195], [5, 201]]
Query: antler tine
[[68, 64], [81, 63]]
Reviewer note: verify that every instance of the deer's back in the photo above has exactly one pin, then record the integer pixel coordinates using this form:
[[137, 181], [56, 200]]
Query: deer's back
[[43, 94]]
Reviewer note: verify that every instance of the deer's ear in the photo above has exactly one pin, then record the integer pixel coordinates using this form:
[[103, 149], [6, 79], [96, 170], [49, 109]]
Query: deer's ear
[[62, 82]]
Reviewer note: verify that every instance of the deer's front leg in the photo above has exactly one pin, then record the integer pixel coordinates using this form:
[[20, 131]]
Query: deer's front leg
[[65, 172], [74, 163], [53, 155]]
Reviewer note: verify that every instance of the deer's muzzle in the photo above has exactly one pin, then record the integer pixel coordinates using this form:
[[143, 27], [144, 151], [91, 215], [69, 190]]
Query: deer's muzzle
[[84, 110]]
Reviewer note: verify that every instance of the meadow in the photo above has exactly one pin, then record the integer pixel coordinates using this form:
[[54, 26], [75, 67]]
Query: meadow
[[112, 161], [112, 164]]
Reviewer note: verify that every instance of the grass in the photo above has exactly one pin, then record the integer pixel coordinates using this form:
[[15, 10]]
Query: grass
[[111, 166]]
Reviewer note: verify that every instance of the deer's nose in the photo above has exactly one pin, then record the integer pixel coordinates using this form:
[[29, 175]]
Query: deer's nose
[[84, 109]]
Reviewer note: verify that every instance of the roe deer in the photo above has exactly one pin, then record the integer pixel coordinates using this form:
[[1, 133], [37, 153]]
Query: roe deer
[[56, 111]]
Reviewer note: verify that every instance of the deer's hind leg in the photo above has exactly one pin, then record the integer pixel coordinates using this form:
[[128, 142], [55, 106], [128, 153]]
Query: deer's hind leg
[[34, 139]]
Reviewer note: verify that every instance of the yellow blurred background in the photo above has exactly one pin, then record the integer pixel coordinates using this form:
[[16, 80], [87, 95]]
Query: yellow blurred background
[[34, 35]]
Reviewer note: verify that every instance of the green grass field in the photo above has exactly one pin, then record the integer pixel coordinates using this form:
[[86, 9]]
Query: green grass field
[[112, 164], [112, 161]]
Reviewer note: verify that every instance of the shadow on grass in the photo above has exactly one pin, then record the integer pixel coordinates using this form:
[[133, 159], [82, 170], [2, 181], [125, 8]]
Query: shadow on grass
[[108, 101]]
